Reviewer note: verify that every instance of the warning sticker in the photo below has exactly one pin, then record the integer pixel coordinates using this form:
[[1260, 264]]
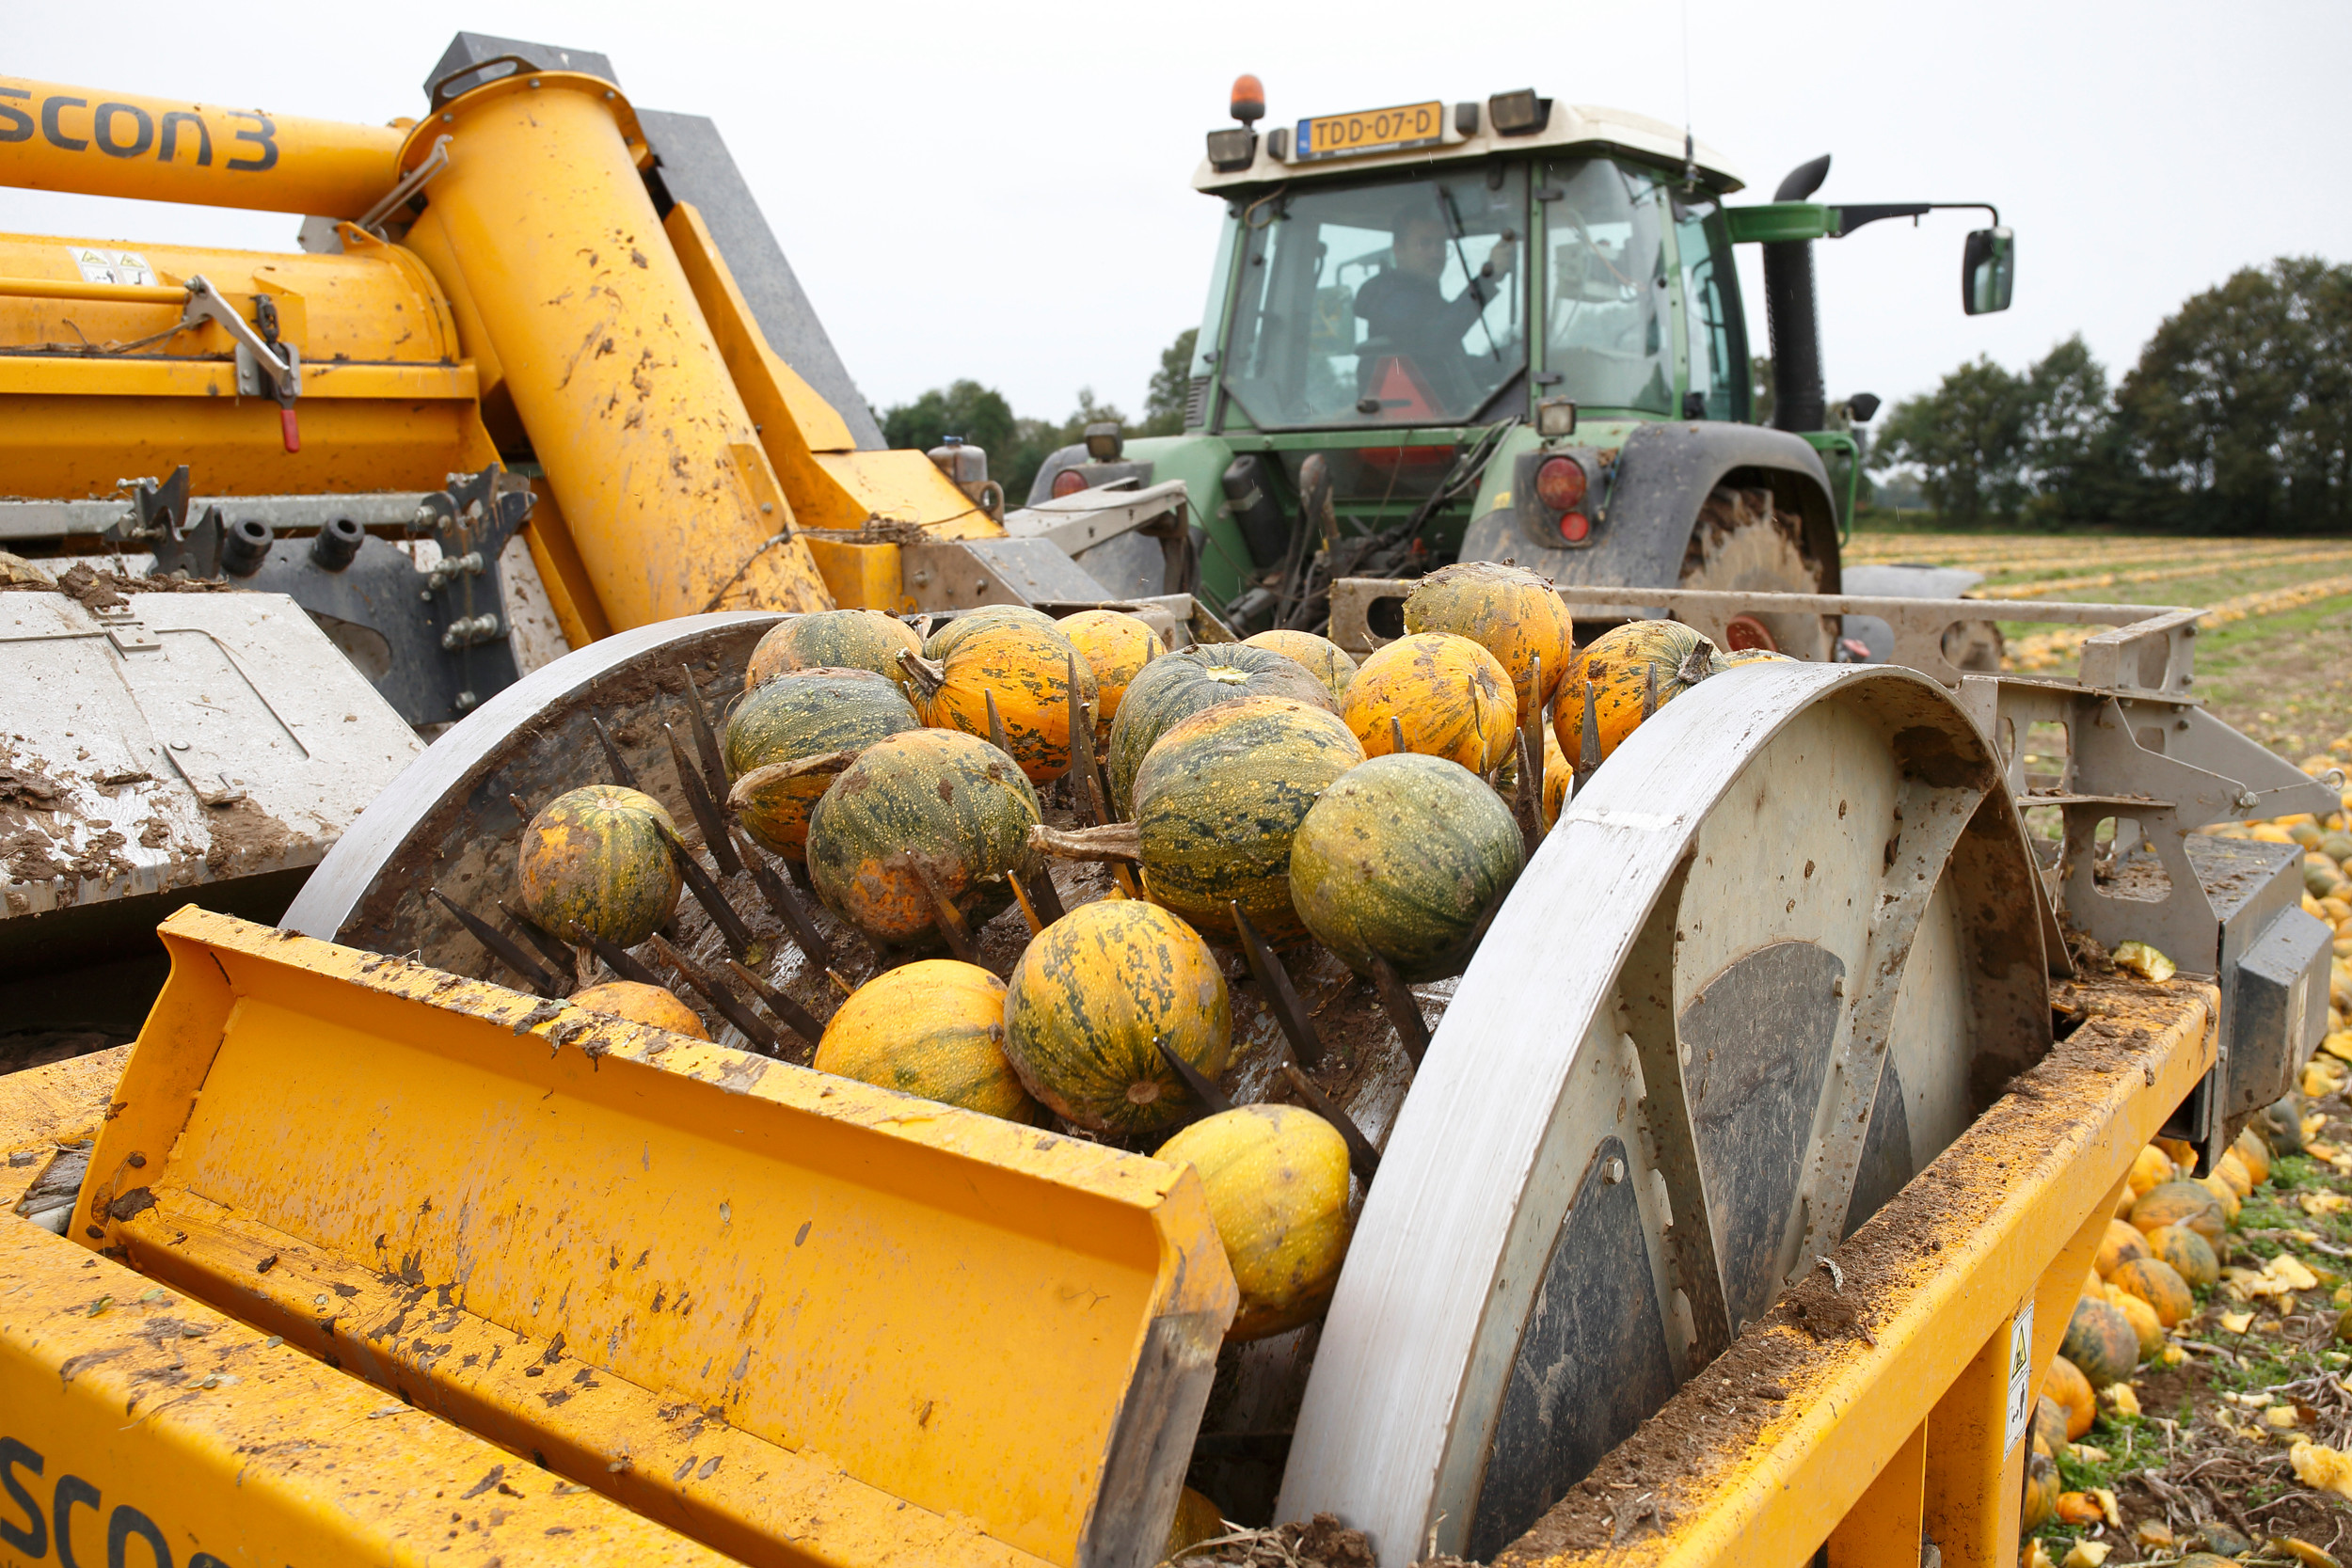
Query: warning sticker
[[113, 266], [2020, 1375]]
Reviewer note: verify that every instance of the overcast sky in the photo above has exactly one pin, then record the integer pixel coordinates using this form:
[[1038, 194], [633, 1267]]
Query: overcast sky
[[1002, 192]]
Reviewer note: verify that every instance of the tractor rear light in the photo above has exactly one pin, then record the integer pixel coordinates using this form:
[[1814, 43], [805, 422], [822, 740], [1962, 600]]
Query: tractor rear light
[[1068, 483], [1560, 484], [1576, 527]]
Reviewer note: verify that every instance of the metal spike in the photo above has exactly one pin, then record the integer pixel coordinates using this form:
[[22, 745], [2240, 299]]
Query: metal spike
[[1202, 1089], [714, 991], [621, 774], [796, 1018], [502, 947], [706, 742], [1363, 1158], [1281, 997], [620, 961], [549, 948], [1028, 910], [787, 906], [522, 808], [1588, 741], [706, 894], [1404, 1012], [1044, 896], [949, 918], [706, 812], [1396, 734], [1527, 799], [995, 724]]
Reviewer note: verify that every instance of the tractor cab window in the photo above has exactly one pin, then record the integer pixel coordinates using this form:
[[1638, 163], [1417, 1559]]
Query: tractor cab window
[[1711, 295], [1606, 333], [1396, 303]]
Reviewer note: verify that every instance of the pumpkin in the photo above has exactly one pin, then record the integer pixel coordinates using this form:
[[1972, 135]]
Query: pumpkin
[[2122, 1243], [1173, 690], [1318, 655], [2049, 1426], [2099, 1341], [2180, 1203], [1731, 658], [2078, 1507], [1218, 800], [2190, 1255], [1275, 1178], [2160, 1285], [1618, 666], [1508, 610], [2151, 1167], [1197, 1520], [1093, 994], [643, 1004], [1559, 773], [2066, 1384], [954, 630], [2143, 1318], [2232, 1173], [1116, 647], [791, 718], [832, 639], [595, 860], [2282, 1124], [2181, 1153], [935, 1028], [2254, 1154], [2040, 1504], [2223, 1193], [1447, 696], [1026, 669], [1404, 857], [953, 802]]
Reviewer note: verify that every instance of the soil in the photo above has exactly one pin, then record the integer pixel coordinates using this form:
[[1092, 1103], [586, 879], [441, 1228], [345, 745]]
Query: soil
[[99, 590]]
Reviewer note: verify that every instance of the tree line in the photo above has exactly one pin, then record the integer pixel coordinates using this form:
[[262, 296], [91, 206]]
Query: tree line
[[2236, 419]]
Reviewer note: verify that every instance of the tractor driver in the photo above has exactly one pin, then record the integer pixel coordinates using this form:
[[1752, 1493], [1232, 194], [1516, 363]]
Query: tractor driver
[[1405, 306]]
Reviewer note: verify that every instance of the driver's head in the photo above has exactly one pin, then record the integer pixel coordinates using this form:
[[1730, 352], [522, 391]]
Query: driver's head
[[1419, 245]]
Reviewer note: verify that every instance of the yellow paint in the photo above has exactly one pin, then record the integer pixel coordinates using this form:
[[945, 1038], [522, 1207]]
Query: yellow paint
[[218, 156], [907, 487], [922, 1325], [861, 576], [671, 506], [1943, 1333]]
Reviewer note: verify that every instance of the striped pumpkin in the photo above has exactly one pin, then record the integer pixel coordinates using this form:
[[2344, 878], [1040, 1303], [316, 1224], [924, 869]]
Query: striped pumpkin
[[594, 860], [792, 717], [1093, 996], [832, 639], [1026, 669], [1508, 610], [954, 802], [1405, 858], [1217, 799], [950, 632], [1116, 647], [935, 1028], [1320, 658], [1447, 695], [1173, 690], [1619, 665]]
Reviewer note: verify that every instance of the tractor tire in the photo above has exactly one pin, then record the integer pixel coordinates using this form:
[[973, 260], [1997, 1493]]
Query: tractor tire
[[1743, 541]]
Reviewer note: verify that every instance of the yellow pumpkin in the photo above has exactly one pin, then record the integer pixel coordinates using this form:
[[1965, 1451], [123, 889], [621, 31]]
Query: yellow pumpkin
[[2191, 1255], [2065, 1383], [2254, 1154], [1620, 666], [2049, 1426], [2151, 1167], [2143, 1320], [2160, 1285], [1319, 656], [1508, 610], [2223, 1193], [2078, 1507], [2188, 1203], [2040, 1505], [1025, 667], [935, 1028], [1276, 1177], [1559, 773], [1197, 1519], [2232, 1173], [643, 1004], [1447, 696], [1116, 647], [2122, 1243]]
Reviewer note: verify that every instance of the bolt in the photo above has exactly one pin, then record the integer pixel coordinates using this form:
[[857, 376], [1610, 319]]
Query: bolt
[[2247, 799], [1613, 1172], [466, 702]]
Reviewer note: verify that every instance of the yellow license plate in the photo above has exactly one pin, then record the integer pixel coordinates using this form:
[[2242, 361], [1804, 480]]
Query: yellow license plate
[[1370, 131]]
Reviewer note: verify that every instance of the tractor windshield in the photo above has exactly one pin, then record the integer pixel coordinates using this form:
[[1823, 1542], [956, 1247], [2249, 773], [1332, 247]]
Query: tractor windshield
[[1606, 332], [1386, 304]]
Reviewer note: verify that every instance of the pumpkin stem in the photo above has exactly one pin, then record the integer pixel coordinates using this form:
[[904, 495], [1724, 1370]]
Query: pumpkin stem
[[1113, 841], [758, 778], [927, 675], [1696, 665]]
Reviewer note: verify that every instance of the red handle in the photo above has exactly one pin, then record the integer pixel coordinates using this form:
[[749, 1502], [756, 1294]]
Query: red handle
[[289, 429]]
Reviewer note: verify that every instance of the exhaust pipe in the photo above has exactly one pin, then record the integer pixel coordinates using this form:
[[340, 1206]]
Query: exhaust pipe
[[1792, 316]]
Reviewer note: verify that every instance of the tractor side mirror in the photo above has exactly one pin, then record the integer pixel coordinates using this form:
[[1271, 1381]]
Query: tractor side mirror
[[1988, 271]]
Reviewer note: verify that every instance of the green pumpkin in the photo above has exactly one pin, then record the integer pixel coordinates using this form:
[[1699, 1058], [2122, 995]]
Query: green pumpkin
[[594, 860], [1217, 799], [952, 801], [791, 718], [1171, 689], [832, 639], [1405, 858], [2100, 1341]]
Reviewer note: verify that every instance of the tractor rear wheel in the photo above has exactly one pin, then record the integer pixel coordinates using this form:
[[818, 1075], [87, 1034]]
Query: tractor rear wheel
[[1743, 541]]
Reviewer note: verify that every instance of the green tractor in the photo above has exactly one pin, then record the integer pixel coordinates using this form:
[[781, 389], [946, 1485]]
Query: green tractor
[[1501, 331]]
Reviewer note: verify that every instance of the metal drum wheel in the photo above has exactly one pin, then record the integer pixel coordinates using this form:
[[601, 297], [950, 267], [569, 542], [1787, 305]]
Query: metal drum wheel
[[1776, 956], [1743, 541]]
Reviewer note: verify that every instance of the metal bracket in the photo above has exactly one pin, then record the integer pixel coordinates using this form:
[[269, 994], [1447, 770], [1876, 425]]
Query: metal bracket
[[280, 363], [410, 183]]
